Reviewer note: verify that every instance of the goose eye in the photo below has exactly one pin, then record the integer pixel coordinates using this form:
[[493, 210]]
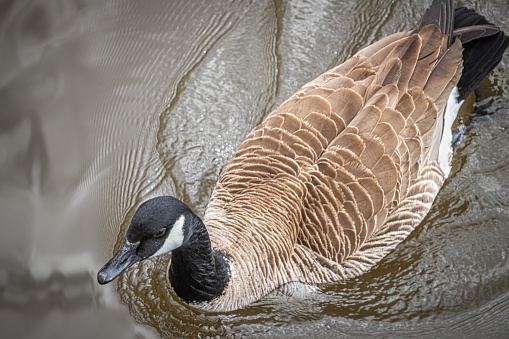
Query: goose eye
[[160, 233]]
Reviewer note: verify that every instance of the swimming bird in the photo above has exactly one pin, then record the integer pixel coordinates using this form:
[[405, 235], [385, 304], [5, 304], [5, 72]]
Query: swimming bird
[[332, 180]]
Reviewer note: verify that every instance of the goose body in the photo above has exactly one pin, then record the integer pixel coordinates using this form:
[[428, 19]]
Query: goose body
[[333, 179]]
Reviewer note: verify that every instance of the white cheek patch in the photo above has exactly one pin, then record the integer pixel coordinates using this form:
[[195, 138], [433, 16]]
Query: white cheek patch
[[174, 239]]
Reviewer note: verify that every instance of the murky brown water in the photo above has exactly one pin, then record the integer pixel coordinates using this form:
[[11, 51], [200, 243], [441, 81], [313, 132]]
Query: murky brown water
[[106, 103]]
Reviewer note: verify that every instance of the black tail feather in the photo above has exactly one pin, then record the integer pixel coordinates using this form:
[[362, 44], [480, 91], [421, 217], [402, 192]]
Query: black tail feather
[[464, 17], [484, 45]]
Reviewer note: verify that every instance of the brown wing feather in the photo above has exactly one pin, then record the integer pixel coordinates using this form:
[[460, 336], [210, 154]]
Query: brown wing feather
[[357, 134], [350, 159]]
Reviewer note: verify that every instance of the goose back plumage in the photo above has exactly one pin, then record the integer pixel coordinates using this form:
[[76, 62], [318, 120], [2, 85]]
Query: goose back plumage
[[343, 170]]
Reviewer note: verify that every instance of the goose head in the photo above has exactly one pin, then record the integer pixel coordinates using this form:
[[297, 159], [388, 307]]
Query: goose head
[[159, 226]]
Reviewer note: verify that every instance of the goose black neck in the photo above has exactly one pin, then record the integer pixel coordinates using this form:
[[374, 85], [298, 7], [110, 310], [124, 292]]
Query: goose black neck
[[198, 273]]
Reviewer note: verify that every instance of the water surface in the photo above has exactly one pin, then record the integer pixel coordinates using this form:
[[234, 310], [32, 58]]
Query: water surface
[[104, 104]]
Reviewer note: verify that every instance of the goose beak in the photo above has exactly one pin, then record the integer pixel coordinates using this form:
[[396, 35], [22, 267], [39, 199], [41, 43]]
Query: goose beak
[[124, 259]]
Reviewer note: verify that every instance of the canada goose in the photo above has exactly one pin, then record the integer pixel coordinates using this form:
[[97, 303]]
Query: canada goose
[[333, 179]]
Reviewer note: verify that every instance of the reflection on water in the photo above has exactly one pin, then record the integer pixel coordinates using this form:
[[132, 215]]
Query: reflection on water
[[106, 103]]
